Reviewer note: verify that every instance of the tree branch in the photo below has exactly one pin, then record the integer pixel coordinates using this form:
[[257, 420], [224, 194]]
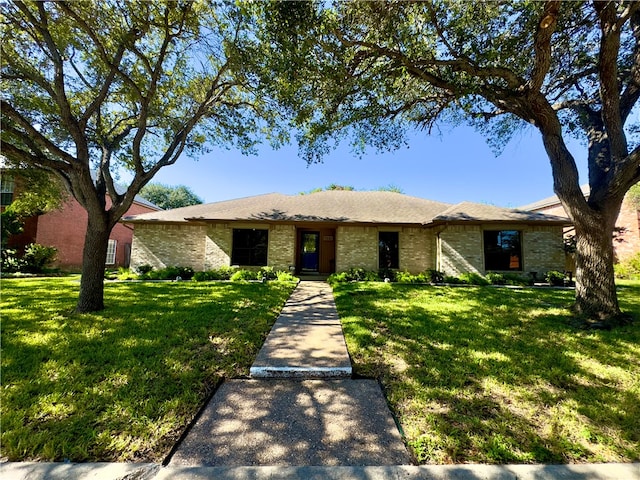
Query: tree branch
[[542, 45]]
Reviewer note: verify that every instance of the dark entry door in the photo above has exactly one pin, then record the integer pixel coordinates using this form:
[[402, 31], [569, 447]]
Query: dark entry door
[[310, 251]]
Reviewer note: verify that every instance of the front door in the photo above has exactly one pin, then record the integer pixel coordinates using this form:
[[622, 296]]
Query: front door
[[310, 251]]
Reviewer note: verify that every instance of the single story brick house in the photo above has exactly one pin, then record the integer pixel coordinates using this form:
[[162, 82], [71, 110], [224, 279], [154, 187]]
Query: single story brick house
[[329, 231]]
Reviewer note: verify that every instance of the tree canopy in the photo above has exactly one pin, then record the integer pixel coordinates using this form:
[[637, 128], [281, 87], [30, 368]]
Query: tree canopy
[[91, 88], [367, 71], [165, 196]]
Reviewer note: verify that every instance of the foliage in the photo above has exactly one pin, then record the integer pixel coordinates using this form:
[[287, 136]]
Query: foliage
[[268, 273], [495, 278], [222, 273], [144, 269], [354, 275], [406, 277], [629, 268], [634, 195], [35, 259], [282, 276], [11, 224], [244, 275], [40, 192], [122, 384], [367, 72], [555, 278], [167, 197], [485, 375], [472, 278], [388, 273], [106, 87]]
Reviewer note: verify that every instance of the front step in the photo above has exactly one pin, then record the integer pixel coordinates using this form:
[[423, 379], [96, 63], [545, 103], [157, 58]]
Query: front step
[[300, 372]]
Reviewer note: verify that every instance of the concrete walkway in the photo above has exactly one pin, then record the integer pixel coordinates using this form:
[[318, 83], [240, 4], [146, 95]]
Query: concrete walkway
[[302, 418], [306, 341]]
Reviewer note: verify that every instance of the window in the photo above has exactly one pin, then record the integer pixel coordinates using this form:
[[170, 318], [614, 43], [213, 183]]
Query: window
[[502, 250], [111, 252], [249, 247], [6, 190], [388, 256]]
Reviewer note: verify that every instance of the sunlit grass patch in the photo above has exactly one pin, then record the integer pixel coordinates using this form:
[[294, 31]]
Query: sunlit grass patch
[[496, 375], [121, 384]]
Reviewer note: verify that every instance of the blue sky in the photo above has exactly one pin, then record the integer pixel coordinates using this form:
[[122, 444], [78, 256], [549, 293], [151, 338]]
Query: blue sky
[[454, 165]]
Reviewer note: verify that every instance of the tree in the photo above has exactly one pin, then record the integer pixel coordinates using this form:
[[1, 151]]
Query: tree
[[370, 70], [165, 196], [91, 88]]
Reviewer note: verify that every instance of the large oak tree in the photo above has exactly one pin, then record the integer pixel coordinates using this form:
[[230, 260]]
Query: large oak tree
[[94, 88], [368, 70]]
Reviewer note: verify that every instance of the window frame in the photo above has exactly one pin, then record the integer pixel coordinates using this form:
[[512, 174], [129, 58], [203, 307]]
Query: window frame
[[496, 263], [394, 253], [7, 189], [112, 251], [255, 254]]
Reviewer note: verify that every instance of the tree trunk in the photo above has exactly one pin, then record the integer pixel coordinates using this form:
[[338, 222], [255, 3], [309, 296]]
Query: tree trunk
[[94, 257], [596, 298]]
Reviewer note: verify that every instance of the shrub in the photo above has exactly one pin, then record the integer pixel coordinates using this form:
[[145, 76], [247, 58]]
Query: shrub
[[10, 262], [36, 257], [126, 274], [629, 268], [243, 275], [435, 276], [496, 278], [286, 277], [453, 280], [555, 278], [144, 269], [354, 275], [472, 278], [268, 273], [387, 273]]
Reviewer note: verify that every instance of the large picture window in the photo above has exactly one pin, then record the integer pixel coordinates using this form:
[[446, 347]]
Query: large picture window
[[249, 247], [502, 250], [388, 251]]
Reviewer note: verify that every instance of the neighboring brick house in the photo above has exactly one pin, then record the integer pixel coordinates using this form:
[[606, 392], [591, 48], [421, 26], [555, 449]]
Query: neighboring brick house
[[65, 229], [626, 241], [331, 231]]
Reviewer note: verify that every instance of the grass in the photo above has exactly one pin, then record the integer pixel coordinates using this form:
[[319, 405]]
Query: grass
[[122, 384], [493, 375]]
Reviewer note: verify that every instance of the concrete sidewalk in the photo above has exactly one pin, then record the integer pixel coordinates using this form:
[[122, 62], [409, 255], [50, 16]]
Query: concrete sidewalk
[[150, 471], [306, 341]]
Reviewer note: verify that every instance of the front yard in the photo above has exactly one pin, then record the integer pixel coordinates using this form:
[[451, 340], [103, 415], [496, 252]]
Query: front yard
[[120, 385], [491, 375]]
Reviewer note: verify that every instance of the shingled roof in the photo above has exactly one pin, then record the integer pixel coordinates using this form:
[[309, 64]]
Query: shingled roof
[[339, 206], [477, 212]]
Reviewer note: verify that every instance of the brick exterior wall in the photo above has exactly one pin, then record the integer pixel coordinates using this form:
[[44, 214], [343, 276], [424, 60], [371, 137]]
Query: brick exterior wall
[[625, 244], [461, 249], [66, 228], [282, 247], [169, 245], [356, 247]]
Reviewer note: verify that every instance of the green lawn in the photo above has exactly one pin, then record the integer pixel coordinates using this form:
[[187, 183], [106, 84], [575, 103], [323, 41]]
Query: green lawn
[[494, 375], [122, 384]]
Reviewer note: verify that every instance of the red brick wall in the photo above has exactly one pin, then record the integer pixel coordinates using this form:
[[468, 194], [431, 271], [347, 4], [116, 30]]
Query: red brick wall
[[65, 229], [626, 243]]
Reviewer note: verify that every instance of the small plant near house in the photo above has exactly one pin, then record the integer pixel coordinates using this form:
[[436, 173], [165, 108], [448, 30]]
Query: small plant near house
[[144, 269], [268, 273], [472, 278], [286, 277], [555, 278], [435, 276], [126, 274], [628, 269], [496, 278], [389, 273], [244, 275]]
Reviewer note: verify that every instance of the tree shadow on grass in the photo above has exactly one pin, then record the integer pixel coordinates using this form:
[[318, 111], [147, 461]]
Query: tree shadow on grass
[[496, 375], [123, 383]]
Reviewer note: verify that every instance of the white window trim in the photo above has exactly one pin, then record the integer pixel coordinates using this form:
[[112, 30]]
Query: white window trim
[[112, 248]]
